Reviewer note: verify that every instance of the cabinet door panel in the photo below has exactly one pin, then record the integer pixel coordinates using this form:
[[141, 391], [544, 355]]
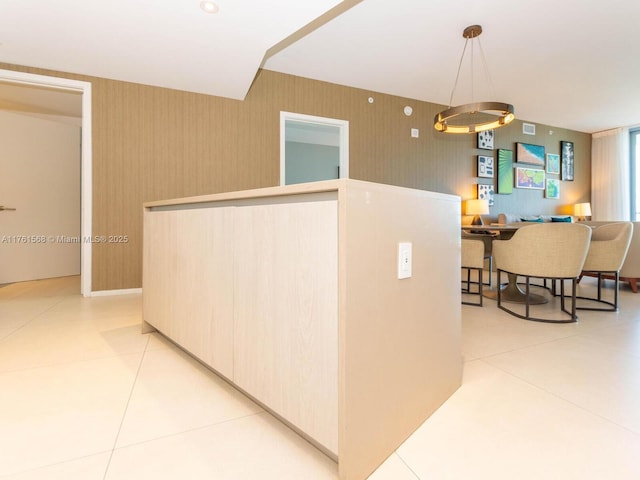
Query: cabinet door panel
[[188, 281], [286, 312]]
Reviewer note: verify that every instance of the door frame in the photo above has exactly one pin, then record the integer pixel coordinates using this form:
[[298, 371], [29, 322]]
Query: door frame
[[343, 147], [86, 186]]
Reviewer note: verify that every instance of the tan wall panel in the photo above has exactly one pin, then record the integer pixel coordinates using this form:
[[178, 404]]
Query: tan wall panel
[[152, 143], [400, 341]]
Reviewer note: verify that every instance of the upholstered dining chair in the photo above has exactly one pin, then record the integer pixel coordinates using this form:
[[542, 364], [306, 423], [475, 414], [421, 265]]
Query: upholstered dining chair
[[486, 238], [472, 260], [554, 251], [607, 252]]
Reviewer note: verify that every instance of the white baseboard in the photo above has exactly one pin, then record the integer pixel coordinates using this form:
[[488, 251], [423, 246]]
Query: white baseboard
[[106, 293]]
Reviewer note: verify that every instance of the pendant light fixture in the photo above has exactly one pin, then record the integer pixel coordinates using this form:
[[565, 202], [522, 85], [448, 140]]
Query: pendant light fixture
[[475, 116]]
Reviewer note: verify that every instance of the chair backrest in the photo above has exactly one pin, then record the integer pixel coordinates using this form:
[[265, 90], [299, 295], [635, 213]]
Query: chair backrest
[[555, 250], [631, 266], [472, 253], [609, 247]]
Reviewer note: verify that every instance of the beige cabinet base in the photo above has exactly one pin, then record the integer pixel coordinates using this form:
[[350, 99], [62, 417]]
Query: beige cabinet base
[[292, 293]]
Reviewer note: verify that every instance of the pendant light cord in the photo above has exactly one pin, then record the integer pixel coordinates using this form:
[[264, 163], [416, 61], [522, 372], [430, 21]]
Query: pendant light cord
[[484, 66], [455, 85]]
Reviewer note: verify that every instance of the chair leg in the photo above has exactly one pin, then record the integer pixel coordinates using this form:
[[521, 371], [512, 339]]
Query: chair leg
[[490, 258], [466, 286], [574, 291], [528, 296], [600, 278], [568, 316], [600, 282]]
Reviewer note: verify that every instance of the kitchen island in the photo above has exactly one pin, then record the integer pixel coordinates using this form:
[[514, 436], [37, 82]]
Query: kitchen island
[[293, 294]]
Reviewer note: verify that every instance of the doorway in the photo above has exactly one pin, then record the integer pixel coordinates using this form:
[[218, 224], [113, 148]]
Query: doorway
[[83, 88], [634, 136], [312, 148]]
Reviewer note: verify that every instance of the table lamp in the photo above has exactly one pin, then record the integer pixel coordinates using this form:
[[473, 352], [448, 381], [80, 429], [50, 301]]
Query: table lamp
[[582, 210], [477, 207]]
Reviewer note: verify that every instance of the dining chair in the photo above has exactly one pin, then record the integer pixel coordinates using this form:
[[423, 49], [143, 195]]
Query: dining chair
[[472, 260], [607, 252], [487, 239], [554, 251]]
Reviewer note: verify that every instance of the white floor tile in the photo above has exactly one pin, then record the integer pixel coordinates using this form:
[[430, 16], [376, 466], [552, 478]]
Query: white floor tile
[[254, 447], [491, 331], [597, 377], [19, 312], [499, 427], [50, 342], [541, 401], [5, 332], [393, 469], [174, 393], [621, 336], [59, 413], [158, 342], [87, 468], [74, 308]]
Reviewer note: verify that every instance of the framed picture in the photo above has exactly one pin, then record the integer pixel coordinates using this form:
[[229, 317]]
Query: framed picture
[[531, 154], [485, 140], [485, 166], [566, 149], [553, 163], [505, 171], [485, 192], [553, 188], [530, 178]]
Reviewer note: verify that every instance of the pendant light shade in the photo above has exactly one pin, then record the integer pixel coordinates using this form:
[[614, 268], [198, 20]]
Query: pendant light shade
[[475, 116]]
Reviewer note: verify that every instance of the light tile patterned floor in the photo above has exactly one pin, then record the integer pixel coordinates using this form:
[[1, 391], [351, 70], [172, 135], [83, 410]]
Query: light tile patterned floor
[[85, 396]]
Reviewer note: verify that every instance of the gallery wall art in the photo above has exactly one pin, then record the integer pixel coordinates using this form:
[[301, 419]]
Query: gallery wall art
[[531, 154]]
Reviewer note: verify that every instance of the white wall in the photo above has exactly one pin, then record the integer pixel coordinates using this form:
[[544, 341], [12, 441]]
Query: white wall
[[39, 176]]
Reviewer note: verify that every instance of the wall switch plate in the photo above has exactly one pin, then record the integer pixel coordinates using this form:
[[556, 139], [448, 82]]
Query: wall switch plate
[[404, 260], [415, 133]]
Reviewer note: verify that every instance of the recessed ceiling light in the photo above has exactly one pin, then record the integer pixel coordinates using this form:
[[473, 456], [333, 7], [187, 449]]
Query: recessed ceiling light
[[209, 6]]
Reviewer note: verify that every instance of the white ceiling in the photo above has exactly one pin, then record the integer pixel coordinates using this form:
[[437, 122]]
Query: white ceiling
[[565, 63]]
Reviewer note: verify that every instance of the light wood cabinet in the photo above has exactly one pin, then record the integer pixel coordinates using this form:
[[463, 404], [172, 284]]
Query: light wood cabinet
[[292, 294], [188, 265], [286, 322]]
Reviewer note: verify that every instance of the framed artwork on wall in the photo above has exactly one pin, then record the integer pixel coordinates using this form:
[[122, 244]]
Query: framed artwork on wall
[[530, 178], [485, 192], [553, 188], [485, 140], [566, 149], [485, 166], [553, 163], [531, 154], [505, 171]]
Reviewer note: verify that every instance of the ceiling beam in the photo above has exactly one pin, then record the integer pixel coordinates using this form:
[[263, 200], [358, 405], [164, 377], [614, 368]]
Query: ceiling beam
[[310, 27]]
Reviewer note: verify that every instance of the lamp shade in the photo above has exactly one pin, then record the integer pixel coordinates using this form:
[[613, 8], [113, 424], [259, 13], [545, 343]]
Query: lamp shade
[[582, 209], [477, 207]]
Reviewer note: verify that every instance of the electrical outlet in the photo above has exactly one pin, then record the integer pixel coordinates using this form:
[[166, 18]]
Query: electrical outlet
[[404, 260]]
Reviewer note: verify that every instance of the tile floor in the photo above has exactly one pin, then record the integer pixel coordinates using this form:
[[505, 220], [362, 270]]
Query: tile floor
[[85, 396]]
